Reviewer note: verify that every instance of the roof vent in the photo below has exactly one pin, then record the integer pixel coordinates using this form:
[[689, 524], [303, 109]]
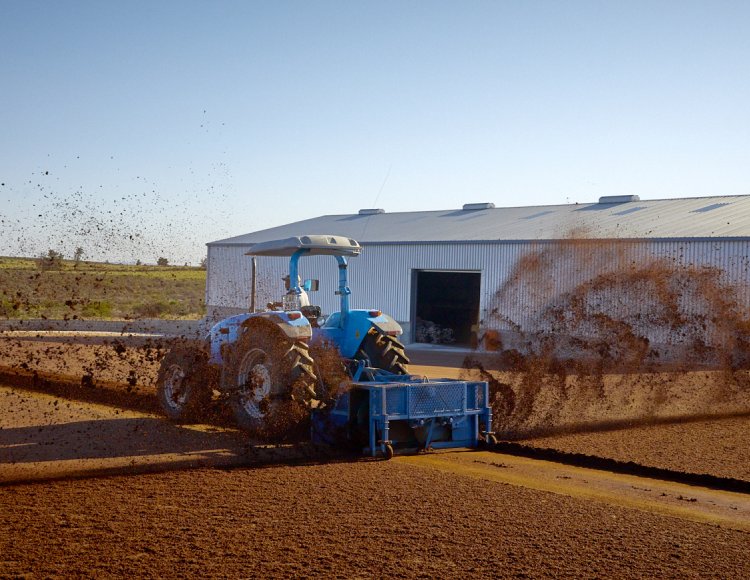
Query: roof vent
[[473, 206], [618, 198], [371, 211]]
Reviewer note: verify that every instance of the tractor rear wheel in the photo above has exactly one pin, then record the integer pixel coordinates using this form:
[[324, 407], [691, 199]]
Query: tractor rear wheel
[[183, 386], [384, 352], [270, 379]]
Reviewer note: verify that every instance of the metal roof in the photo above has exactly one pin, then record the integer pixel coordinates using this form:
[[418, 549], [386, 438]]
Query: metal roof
[[697, 217]]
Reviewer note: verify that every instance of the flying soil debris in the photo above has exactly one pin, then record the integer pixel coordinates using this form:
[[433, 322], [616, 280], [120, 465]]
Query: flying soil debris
[[616, 346]]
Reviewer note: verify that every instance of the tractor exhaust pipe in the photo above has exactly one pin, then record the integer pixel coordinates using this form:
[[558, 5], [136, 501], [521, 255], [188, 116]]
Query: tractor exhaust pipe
[[253, 285]]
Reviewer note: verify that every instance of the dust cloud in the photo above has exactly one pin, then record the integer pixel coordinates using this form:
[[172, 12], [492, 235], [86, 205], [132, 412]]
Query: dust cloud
[[606, 336]]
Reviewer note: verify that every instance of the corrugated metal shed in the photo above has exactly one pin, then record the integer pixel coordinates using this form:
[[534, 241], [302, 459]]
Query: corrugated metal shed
[[692, 232], [700, 217]]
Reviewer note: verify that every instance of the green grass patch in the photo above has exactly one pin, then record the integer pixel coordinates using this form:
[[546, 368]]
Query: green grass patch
[[101, 291]]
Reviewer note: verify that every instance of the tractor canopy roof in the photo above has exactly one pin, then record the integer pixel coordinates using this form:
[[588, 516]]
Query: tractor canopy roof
[[316, 244]]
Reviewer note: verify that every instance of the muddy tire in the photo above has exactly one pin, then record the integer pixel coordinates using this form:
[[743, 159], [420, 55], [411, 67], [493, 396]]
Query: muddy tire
[[183, 386], [384, 352], [332, 372], [270, 381]]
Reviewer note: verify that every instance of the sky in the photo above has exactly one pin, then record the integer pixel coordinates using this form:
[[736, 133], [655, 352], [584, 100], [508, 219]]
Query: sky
[[144, 129]]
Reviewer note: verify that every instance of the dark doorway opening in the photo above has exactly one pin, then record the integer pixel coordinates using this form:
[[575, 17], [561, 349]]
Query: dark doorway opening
[[446, 305]]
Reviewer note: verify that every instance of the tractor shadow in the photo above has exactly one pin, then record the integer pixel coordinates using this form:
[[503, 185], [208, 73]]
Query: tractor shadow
[[134, 446], [113, 446], [52, 442]]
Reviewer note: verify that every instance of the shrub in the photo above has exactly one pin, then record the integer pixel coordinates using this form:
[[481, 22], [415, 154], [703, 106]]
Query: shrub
[[97, 309], [6, 308], [52, 260], [151, 309]]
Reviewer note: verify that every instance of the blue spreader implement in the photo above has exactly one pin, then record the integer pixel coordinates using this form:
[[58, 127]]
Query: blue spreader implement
[[386, 411]]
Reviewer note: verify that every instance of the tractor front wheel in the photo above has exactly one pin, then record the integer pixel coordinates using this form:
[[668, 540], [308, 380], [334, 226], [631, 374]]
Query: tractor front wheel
[[270, 378], [384, 352]]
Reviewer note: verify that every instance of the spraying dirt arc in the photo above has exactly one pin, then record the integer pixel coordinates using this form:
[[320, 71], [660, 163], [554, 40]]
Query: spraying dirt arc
[[635, 340]]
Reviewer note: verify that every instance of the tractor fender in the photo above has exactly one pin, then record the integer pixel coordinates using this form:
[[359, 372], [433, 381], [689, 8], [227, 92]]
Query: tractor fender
[[386, 325], [228, 331], [348, 337]]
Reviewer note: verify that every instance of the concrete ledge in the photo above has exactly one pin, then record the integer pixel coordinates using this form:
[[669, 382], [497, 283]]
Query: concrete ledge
[[438, 355]]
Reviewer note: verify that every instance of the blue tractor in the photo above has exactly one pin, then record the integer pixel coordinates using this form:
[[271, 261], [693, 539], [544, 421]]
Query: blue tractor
[[261, 363]]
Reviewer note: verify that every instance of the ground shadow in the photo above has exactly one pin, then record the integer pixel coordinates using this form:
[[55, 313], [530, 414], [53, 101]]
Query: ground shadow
[[134, 446], [111, 438], [626, 467], [79, 389], [620, 425]]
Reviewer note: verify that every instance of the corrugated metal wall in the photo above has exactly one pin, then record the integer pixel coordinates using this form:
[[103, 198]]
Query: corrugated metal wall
[[519, 279]]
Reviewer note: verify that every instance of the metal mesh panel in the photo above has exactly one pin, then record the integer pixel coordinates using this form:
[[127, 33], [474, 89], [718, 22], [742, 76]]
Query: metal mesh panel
[[438, 398], [395, 401]]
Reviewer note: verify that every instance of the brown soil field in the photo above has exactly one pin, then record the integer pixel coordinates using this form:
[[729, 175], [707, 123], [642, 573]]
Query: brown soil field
[[104, 360], [219, 508], [715, 446], [360, 519], [44, 436], [670, 429]]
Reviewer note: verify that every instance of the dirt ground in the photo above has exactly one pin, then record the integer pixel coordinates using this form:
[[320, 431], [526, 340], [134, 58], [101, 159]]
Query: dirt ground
[[215, 508], [674, 436], [715, 446], [361, 519], [46, 436], [92, 359]]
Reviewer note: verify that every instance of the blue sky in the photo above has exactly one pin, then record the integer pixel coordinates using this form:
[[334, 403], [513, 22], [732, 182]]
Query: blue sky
[[140, 129]]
